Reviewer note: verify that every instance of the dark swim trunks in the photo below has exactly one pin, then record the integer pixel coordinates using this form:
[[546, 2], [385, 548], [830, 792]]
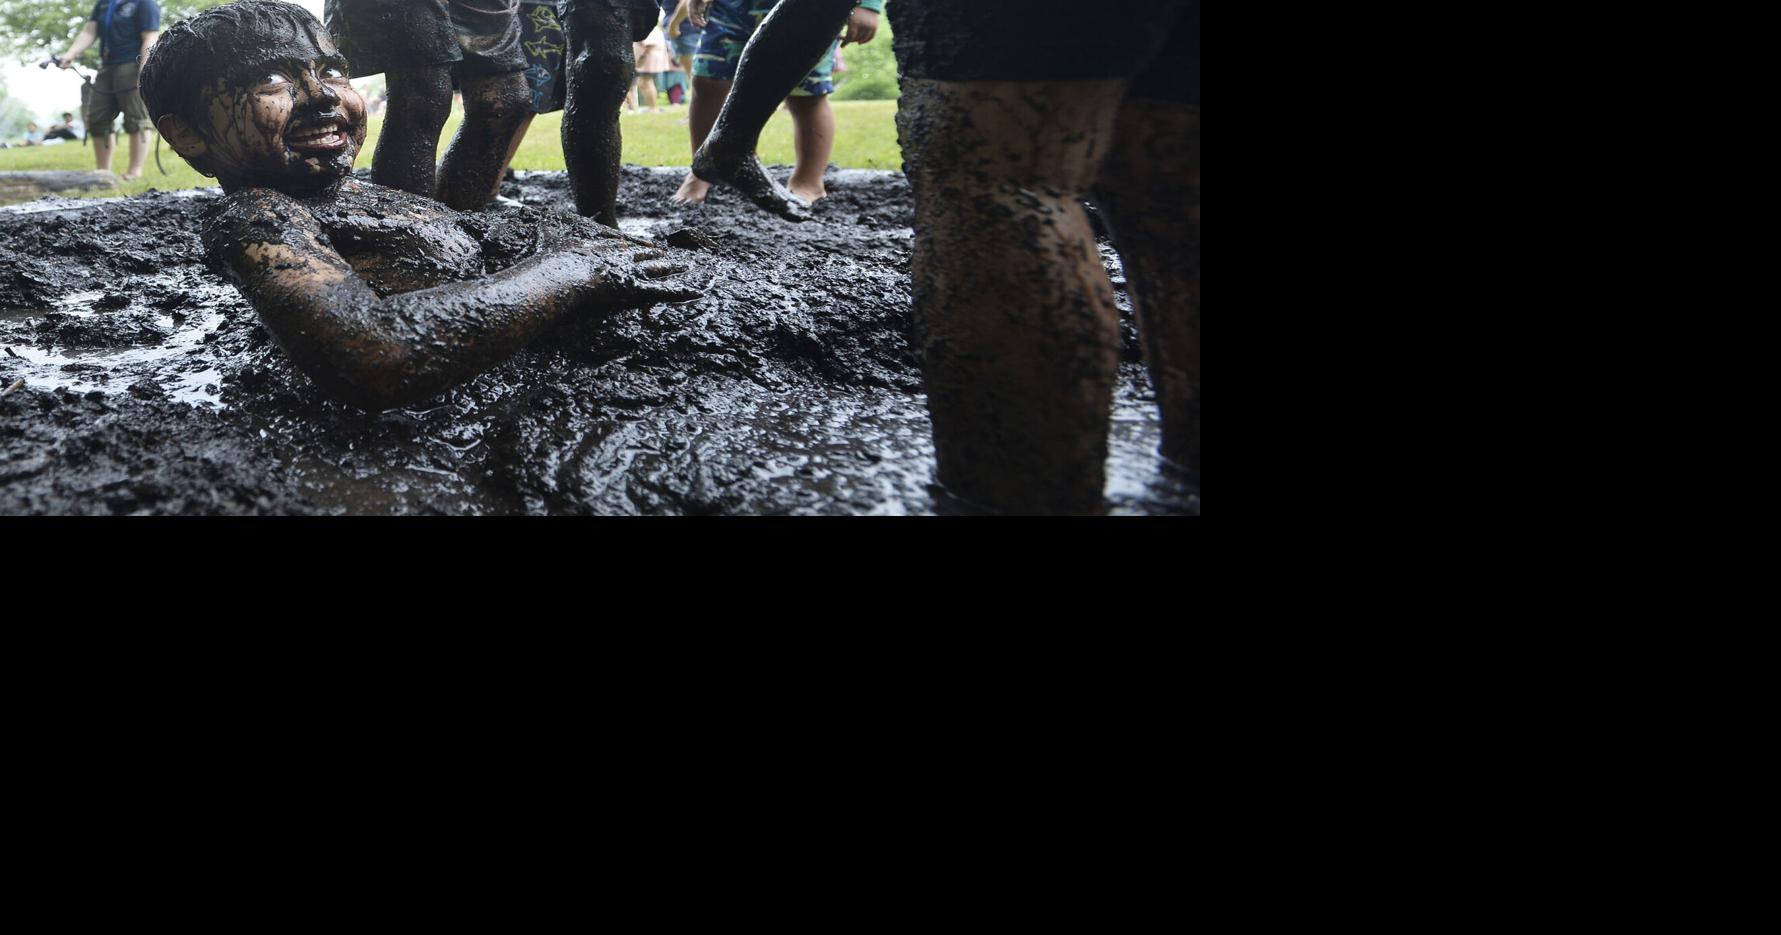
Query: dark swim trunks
[[476, 37], [640, 14], [1156, 43]]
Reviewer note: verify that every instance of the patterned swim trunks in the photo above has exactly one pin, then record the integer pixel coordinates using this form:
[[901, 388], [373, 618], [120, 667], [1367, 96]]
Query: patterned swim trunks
[[732, 22], [541, 37]]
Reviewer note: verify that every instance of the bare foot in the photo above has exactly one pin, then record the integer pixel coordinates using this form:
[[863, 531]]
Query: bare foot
[[130, 176], [748, 176], [809, 194], [692, 191]]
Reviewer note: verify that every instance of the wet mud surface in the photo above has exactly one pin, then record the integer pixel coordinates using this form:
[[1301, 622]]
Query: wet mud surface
[[135, 380]]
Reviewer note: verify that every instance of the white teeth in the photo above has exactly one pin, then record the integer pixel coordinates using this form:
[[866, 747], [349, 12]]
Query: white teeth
[[325, 130]]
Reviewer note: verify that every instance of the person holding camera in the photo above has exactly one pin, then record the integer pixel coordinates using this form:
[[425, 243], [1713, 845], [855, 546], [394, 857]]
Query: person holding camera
[[124, 29]]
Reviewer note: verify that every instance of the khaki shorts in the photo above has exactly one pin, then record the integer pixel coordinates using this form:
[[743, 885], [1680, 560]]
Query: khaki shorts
[[114, 92]]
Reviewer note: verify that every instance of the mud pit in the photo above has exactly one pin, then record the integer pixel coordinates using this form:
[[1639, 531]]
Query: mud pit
[[148, 385]]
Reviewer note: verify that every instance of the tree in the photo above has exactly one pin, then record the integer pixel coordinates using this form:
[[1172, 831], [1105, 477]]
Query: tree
[[13, 115], [34, 30], [871, 73]]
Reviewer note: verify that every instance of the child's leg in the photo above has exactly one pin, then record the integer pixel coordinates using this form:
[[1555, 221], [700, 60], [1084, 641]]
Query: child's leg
[[599, 72], [646, 86], [1013, 309], [1150, 192], [709, 95], [813, 133], [420, 100], [496, 111], [1150, 195], [790, 50]]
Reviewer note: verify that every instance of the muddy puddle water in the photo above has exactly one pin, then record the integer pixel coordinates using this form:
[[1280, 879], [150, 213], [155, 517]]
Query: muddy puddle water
[[143, 383]]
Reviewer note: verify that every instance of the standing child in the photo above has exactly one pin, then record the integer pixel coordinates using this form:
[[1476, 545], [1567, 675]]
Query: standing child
[[729, 25], [423, 48]]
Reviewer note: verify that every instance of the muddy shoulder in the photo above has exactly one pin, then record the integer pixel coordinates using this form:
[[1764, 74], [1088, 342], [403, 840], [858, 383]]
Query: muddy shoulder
[[136, 380]]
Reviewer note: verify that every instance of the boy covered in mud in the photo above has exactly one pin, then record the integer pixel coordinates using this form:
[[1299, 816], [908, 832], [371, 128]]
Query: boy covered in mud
[[380, 296]]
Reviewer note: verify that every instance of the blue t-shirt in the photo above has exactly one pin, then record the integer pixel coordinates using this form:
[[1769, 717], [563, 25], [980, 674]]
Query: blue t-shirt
[[122, 40]]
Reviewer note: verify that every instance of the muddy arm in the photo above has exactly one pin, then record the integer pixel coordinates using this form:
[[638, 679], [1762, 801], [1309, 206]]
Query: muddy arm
[[380, 353]]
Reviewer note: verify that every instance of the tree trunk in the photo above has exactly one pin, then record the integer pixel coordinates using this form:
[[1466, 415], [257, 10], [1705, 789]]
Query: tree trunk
[[18, 186]]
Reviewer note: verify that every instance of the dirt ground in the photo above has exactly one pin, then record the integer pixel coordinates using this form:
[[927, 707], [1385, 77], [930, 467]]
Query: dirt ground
[[143, 383]]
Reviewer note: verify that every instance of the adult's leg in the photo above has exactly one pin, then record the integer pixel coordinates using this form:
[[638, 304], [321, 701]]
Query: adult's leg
[[420, 100], [709, 95], [101, 114], [813, 136], [102, 151], [138, 154], [1013, 310], [599, 72], [781, 53], [497, 109], [646, 90]]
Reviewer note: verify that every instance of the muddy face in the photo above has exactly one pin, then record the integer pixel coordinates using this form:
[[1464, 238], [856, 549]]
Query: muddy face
[[292, 123]]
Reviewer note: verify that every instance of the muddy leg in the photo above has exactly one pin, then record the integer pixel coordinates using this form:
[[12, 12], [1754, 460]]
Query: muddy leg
[[519, 137], [496, 110], [789, 43], [1150, 193], [1013, 310], [420, 100], [813, 126], [709, 95], [600, 70]]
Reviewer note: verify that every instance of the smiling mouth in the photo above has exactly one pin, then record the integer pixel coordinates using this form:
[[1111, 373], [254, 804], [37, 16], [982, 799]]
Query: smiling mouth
[[326, 137]]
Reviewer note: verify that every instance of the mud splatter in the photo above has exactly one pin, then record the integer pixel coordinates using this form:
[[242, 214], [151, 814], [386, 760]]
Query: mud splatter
[[791, 388]]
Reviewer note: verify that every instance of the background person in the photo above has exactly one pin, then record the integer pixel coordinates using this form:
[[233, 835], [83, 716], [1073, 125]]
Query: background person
[[653, 59], [683, 38], [125, 31], [68, 129]]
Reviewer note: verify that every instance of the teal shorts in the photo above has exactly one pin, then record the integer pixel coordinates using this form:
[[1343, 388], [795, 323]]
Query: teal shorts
[[732, 23]]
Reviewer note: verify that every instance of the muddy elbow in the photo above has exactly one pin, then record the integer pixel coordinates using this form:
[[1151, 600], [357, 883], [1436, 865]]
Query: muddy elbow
[[374, 379]]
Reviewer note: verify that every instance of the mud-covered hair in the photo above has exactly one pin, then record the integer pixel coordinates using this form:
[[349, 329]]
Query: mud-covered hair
[[226, 43]]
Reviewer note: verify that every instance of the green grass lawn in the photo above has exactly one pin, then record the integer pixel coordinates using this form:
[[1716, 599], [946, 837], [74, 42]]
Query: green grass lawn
[[866, 138]]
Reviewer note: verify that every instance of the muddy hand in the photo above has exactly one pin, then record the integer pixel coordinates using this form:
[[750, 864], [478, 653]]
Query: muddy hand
[[637, 277]]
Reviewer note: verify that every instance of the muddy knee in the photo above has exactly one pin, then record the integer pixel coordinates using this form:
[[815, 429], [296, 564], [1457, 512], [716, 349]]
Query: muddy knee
[[501, 100], [419, 97]]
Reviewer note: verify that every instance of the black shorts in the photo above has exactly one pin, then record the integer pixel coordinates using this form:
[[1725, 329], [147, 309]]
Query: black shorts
[[640, 15], [475, 37], [1154, 43]]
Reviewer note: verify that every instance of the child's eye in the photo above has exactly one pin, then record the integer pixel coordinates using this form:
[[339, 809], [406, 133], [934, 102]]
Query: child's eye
[[274, 78], [331, 73]]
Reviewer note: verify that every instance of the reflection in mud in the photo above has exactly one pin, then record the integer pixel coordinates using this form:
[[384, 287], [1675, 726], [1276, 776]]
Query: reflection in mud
[[150, 387]]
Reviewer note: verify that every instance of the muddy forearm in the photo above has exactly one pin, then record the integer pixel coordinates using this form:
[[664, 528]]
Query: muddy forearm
[[382, 353]]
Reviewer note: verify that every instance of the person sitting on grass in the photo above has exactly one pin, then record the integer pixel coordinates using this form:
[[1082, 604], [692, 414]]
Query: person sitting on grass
[[378, 295], [68, 129]]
